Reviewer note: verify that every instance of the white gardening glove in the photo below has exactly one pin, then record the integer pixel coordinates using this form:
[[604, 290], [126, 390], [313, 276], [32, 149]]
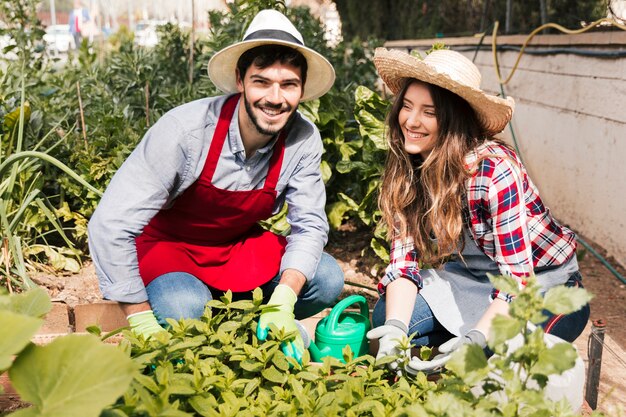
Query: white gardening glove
[[474, 336], [389, 338]]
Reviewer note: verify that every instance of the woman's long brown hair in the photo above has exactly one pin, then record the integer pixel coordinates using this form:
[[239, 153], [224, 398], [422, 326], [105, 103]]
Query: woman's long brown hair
[[424, 199]]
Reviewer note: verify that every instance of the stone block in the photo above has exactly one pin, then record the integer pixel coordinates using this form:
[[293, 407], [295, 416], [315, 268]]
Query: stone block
[[107, 314], [57, 320]]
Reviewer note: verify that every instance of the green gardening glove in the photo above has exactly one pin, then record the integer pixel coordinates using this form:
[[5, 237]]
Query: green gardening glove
[[144, 323], [280, 314]]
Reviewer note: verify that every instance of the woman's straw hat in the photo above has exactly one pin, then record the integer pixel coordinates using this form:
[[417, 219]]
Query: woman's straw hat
[[452, 71], [270, 27]]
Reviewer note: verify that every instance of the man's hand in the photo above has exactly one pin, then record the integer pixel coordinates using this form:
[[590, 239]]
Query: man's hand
[[280, 314], [472, 337], [144, 323], [389, 338]]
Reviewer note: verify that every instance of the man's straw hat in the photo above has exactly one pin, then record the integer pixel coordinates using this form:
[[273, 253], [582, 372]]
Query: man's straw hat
[[452, 71], [270, 27]]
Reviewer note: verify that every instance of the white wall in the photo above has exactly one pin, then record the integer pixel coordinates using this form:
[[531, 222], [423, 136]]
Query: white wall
[[570, 124]]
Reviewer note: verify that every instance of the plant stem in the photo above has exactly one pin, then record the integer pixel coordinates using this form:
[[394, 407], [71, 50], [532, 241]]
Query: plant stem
[[82, 114], [34, 154], [147, 96], [5, 256]]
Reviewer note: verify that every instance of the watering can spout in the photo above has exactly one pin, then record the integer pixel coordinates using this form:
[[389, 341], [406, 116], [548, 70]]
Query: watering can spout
[[316, 354]]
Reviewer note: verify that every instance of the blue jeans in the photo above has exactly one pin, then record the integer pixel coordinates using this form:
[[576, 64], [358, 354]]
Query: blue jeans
[[179, 295], [431, 333]]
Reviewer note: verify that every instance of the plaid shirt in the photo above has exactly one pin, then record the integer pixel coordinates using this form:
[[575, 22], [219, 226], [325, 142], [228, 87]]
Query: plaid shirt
[[507, 220]]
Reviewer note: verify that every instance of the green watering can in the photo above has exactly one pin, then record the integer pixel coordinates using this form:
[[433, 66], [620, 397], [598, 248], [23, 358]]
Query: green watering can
[[341, 328]]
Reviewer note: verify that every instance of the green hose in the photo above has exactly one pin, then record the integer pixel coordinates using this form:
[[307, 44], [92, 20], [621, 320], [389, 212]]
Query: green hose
[[601, 259], [519, 154]]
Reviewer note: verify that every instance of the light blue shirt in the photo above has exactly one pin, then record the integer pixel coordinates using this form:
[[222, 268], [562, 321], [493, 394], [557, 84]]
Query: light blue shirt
[[170, 158]]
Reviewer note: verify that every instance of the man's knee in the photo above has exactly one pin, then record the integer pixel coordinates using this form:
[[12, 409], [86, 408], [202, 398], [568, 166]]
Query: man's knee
[[180, 306], [329, 275], [177, 296]]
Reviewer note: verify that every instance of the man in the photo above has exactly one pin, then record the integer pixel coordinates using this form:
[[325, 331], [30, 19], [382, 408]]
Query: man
[[178, 224]]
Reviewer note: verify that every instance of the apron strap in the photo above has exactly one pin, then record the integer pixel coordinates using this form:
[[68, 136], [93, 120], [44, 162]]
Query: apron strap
[[219, 136]]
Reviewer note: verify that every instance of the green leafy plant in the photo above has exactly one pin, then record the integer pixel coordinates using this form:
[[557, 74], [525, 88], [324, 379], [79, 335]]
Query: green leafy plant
[[215, 366], [73, 376], [354, 158], [28, 218]]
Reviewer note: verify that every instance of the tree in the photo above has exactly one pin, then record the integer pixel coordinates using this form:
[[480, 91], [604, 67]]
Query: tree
[[403, 19]]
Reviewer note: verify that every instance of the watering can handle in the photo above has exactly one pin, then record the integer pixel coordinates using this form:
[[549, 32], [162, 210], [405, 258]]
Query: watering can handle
[[333, 318]]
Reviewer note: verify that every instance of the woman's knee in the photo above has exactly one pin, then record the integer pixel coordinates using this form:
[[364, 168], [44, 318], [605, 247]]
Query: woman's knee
[[378, 314], [568, 327]]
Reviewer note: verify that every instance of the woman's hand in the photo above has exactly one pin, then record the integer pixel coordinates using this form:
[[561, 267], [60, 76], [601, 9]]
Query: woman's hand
[[390, 337]]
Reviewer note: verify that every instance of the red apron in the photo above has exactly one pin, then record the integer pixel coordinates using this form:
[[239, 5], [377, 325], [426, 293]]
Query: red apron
[[213, 233]]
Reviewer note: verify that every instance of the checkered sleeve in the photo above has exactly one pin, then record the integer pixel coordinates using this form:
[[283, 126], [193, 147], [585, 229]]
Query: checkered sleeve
[[403, 264], [511, 238]]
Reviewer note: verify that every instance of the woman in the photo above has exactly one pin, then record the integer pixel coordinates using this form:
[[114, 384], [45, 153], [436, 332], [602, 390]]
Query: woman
[[456, 197]]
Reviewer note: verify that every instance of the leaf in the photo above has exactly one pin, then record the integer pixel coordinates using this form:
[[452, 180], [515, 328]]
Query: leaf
[[274, 375], [425, 353], [504, 328], [555, 360], [251, 386], [34, 303], [251, 365], [205, 406], [310, 110], [337, 213], [368, 407], [380, 249], [228, 326], [16, 330], [327, 171], [280, 361], [565, 300], [372, 128], [504, 283], [308, 376], [346, 150], [74, 376], [11, 119], [148, 383], [470, 363], [181, 384]]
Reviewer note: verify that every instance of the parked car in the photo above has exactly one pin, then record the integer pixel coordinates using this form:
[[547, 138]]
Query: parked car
[[146, 32], [58, 38]]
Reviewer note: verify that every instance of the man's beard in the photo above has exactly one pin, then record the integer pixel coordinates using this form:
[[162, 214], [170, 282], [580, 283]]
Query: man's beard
[[270, 130]]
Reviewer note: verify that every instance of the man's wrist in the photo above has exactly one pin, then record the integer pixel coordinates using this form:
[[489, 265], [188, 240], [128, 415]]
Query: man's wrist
[[294, 279], [134, 308], [284, 297]]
